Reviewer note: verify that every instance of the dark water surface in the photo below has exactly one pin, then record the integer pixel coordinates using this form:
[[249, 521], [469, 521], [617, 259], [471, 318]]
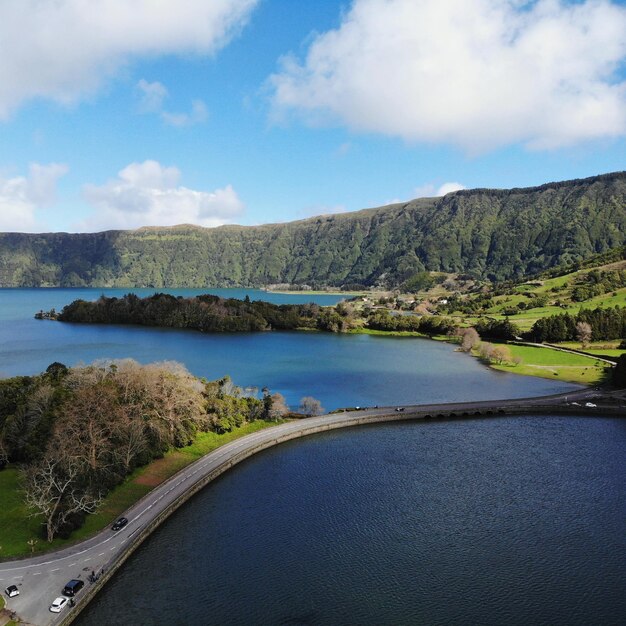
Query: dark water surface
[[339, 370], [494, 521]]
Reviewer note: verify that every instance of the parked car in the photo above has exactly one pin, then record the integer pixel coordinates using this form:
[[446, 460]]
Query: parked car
[[399, 408], [119, 524], [73, 587], [58, 604], [591, 405], [12, 591]]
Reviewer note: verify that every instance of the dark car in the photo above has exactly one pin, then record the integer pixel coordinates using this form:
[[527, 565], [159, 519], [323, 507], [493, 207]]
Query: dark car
[[73, 587], [119, 524], [400, 408]]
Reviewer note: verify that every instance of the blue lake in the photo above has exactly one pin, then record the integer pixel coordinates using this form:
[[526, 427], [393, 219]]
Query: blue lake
[[493, 521], [502, 521], [339, 370]]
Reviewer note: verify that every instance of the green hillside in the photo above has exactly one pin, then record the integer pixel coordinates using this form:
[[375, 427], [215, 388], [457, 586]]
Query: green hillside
[[599, 282], [488, 234]]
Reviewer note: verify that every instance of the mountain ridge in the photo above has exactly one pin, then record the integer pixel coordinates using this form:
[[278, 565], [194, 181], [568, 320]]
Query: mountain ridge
[[488, 233]]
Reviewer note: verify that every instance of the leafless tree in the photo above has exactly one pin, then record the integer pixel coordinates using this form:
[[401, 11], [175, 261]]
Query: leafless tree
[[310, 406], [501, 354], [130, 441], [84, 432], [52, 493], [470, 339], [279, 407], [486, 350], [583, 332]]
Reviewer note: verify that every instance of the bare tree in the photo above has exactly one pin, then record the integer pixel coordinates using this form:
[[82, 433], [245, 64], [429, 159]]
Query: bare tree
[[486, 350], [279, 407], [52, 493], [130, 441], [84, 433], [310, 406], [470, 339], [583, 332], [501, 354]]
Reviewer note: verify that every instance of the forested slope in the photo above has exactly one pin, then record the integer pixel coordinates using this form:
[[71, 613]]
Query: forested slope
[[497, 234]]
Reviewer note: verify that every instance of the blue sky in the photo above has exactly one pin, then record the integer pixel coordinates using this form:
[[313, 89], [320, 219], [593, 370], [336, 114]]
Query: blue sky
[[123, 113]]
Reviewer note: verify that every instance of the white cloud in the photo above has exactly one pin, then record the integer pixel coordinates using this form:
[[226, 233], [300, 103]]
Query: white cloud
[[197, 115], [21, 196], [430, 191], [148, 194], [64, 49], [478, 74], [152, 97]]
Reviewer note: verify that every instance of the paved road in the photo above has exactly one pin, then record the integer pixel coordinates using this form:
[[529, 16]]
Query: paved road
[[41, 578]]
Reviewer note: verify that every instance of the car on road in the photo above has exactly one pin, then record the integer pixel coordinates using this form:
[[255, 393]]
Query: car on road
[[119, 523], [399, 408], [73, 587], [58, 604], [12, 591], [591, 405]]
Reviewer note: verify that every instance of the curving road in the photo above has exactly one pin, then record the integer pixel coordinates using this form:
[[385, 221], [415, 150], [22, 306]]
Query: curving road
[[41, 578]]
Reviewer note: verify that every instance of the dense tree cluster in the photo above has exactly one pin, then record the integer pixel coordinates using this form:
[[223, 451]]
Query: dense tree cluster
[[597, 283], [491, 234], [214, 314], [606, 323], [500, 330], [206, 313], [383, 319], [79, 432]]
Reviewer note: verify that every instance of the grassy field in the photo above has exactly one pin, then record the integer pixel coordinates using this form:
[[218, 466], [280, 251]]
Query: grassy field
[[18, 528], [609, 348], [556, 365]]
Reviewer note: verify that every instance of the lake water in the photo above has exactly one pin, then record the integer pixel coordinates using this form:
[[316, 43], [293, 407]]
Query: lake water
[[494, 521], [339, 370], [510, 521]]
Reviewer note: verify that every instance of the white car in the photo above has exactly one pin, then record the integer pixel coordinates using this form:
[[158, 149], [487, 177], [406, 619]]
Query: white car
[[58, 604], [591, 405], [12, 591]]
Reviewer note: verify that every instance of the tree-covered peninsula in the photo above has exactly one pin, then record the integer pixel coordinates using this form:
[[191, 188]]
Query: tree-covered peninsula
[[209, 313], [486, 233], [73, 435]]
